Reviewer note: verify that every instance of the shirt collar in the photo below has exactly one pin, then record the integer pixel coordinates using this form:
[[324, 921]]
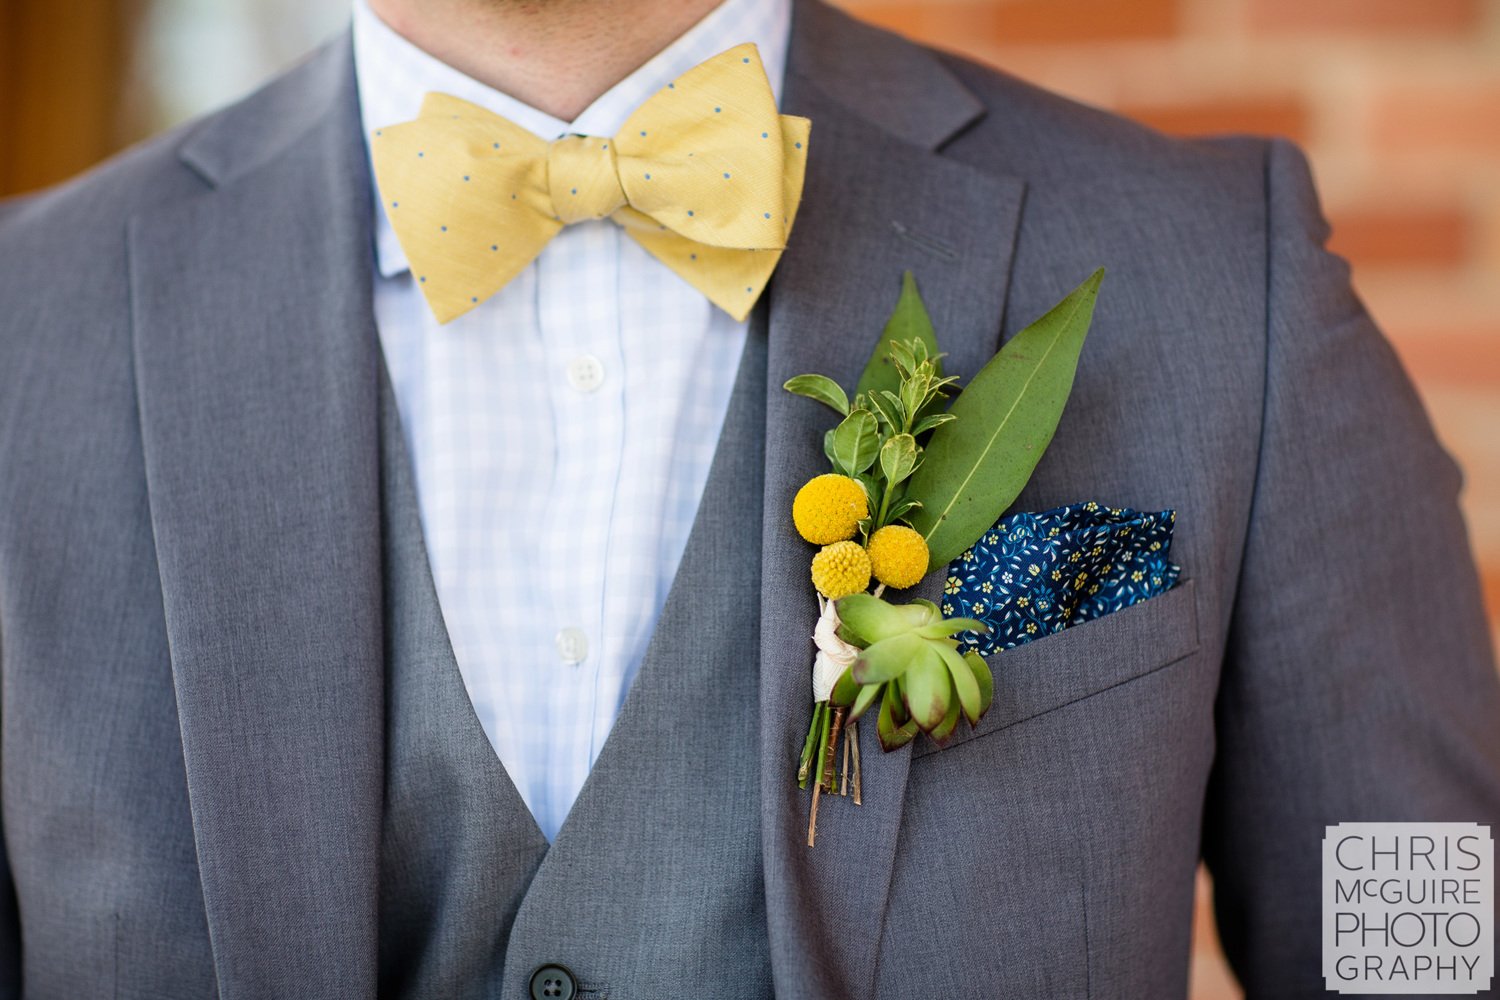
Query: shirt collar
[[393, 75]]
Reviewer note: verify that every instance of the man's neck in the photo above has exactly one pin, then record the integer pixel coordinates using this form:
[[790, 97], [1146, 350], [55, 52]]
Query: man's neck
[[556, 55]]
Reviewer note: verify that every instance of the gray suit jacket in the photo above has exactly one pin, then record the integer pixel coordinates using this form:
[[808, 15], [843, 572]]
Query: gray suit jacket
[[190, 626]]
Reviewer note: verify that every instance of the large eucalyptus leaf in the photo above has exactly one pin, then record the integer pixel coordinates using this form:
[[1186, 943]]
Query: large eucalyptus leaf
[[909, 321], [819, 387], [974, 467], [856, 441]]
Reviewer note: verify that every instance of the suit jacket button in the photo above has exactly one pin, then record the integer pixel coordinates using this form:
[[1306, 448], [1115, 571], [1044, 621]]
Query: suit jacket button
[[553, 982]]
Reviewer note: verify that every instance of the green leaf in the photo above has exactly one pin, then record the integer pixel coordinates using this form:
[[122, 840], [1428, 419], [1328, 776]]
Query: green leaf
[[974, 467], [887, 407], [985, 679], [901, 509], [866, 697], [909, 321], [965, 684], [944, 730], [856, 441], [819, 387], [845, 690], [927, 688], [867, 619], [897, 706], [932, 423], [913, 394], [898, 457], [893, 735], [950, 626], [828, 451], [872, 491], [889, 658]]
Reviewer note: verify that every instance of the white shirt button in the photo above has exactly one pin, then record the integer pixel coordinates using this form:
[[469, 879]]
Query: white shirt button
[[585, 373], [572, 645]]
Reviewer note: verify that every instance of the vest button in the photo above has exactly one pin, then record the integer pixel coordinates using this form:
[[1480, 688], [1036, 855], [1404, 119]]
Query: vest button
[[553, 982]]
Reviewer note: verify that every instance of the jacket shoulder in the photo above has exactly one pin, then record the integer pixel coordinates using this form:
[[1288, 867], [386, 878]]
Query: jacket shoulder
[[1053, 141]]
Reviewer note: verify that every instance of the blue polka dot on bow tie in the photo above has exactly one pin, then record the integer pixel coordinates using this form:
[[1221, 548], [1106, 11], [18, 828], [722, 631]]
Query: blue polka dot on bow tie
[[717, 110], [443, 228], [726, 176], [798, 145], [494, 145], [671, 86], [473, 298], [643, 133], [423, 279], [745, 60], [692, 256], [690, 213], [466, 176], [494, 246], [395, 204], [768, 215], [648, 177], [748, 288], [575, 190], [765, 135], [421, 154]]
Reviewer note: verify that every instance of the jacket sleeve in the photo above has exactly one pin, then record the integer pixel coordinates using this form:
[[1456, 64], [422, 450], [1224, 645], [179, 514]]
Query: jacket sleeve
[[1358, 681]]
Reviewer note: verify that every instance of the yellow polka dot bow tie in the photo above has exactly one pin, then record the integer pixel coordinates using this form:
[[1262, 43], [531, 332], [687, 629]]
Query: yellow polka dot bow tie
[[705, 175]]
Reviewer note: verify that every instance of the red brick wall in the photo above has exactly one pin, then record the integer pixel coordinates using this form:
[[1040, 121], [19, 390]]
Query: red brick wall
[[1397, 103]]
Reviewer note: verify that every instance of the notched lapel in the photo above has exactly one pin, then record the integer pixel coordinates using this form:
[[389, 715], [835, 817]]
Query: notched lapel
[[879, 200], [256, 372]]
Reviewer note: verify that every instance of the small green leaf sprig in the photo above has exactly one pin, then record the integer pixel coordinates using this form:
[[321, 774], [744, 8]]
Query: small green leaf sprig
[[915, 484]]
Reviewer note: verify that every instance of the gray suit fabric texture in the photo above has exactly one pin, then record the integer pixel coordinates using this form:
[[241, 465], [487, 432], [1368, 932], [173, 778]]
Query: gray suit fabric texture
[[653, 885], [193, 635]]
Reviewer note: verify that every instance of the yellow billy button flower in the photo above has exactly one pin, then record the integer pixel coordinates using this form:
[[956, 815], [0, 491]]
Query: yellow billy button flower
[[841, 569], [829, 508], [898, 556]]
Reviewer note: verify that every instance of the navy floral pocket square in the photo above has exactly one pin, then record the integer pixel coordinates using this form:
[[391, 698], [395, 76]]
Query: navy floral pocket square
[[1035, 574]]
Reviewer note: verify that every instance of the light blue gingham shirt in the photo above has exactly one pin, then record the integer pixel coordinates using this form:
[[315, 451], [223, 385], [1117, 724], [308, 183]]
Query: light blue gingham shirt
[[561, 432]]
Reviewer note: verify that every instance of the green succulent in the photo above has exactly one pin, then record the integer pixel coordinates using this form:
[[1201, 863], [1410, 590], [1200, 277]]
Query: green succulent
[[909, 662]]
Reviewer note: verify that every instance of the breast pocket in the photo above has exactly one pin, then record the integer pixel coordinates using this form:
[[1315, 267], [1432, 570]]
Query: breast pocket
[[1086, 659]]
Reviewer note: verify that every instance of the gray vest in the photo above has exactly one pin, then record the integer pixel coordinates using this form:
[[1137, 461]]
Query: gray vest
[[653, 887]]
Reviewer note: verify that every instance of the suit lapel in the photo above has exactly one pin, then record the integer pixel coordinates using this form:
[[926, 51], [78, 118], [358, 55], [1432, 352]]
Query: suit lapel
[[879, 200], [256, 373]]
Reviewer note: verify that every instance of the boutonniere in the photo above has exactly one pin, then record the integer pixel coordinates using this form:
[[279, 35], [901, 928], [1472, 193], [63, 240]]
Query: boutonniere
[[915, 481]]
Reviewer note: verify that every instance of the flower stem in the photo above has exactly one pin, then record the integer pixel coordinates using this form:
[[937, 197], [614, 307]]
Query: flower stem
[[835, 730], [804, 766], [851, 739]]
